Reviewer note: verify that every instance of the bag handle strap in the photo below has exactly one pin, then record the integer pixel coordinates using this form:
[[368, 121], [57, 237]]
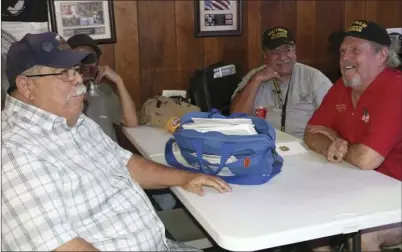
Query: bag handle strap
[[226, 152], [171, 159]]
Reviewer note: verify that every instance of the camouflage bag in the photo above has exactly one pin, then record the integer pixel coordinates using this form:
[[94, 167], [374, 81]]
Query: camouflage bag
[[158, 110]]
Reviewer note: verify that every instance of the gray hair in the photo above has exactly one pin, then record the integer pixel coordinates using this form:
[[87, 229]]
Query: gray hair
[[32, 71], [393, 60]]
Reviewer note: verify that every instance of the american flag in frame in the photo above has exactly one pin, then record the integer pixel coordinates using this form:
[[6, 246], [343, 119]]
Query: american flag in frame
[[217, 4], [217, 17]]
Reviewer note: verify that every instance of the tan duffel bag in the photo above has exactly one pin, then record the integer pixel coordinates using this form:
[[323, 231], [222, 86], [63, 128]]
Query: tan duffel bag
[[158, 110]]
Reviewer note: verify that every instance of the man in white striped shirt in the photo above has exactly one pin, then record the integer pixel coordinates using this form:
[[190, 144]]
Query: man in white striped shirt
[[65, 184]]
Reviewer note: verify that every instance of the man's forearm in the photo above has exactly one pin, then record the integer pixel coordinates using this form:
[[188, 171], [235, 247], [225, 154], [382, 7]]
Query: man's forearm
[[363, 157], [151, 175], [129, 113], [244, 101], [317, 142]]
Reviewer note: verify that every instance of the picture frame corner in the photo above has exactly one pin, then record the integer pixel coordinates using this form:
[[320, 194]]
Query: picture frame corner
[[108, 25]]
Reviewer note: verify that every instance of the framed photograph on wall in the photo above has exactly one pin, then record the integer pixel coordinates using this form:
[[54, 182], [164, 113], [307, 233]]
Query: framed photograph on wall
[[218, 18], [94, 18]]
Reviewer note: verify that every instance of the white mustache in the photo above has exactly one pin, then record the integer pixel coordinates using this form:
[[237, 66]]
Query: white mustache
[[80, 90]]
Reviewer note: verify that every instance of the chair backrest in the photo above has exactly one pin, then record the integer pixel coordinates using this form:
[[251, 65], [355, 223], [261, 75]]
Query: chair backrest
[[6, 40], [4, 81], [213, 86]]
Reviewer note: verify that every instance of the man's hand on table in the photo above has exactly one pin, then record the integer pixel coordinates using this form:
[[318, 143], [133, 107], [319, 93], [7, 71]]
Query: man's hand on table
[[337, 150], [196, 181]]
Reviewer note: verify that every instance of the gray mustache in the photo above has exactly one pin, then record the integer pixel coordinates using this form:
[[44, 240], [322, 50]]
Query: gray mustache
[[80, 90]]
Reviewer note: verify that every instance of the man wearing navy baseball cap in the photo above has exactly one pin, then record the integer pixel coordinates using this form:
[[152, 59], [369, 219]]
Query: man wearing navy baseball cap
[[360, 119], [47, 55], [66, 185]]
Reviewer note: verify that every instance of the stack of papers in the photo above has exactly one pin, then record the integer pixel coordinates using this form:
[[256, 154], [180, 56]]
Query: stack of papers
[[239, 126]]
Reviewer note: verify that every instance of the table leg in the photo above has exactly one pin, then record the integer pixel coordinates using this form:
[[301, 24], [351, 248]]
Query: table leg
[[356, 242]]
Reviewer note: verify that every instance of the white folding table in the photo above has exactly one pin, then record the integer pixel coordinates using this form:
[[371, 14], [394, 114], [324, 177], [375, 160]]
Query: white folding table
[[311, 198]]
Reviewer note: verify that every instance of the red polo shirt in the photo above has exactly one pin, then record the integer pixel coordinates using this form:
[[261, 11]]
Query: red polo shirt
[[375, 122]]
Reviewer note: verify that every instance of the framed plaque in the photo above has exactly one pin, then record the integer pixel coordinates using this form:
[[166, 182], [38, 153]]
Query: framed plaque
[[217, 17], [94, 18]]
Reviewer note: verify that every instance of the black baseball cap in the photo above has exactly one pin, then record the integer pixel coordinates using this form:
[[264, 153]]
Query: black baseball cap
[[277, 36], [84, 40], [45, 49], [367, 30]]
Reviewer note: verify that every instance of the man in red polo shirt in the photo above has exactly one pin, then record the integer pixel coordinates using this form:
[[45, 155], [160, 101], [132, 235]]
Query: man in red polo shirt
[[360, 118]]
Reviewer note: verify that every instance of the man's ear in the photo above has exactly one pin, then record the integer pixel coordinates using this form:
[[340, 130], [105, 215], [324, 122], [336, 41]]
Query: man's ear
[[25, 87], [264, 55], [382, 56]]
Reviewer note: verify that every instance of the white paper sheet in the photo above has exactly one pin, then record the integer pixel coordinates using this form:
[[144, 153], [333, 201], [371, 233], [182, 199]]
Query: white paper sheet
[[238, 126]]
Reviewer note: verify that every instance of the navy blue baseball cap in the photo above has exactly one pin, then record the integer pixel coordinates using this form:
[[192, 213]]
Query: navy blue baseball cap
[[46, 49]]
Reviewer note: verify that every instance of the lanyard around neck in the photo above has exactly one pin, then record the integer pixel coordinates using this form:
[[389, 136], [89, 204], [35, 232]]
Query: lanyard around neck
[[281, 103]]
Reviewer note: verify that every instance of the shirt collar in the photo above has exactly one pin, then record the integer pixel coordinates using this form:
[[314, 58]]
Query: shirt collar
[[34, 115]]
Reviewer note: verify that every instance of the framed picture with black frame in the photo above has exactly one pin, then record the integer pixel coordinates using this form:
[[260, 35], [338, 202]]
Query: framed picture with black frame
[[218, 18], [94, 18]]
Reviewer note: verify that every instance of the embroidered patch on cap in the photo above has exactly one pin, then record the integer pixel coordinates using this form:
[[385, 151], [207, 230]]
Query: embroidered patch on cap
[[47, 46], [357, 26], [278, 33]]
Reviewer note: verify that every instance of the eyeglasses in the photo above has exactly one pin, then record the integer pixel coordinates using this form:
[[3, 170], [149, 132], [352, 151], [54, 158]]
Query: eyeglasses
[[65, 75]]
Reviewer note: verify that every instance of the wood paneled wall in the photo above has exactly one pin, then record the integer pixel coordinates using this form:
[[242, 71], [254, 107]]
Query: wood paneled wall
[[156, 48]]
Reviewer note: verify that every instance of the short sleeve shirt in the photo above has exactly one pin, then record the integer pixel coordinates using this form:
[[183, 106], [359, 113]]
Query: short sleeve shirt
[[308, 86], [375, 122]]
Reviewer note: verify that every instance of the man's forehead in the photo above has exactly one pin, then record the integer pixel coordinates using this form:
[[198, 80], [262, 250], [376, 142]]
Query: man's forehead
[[284, 46], [353, 41]]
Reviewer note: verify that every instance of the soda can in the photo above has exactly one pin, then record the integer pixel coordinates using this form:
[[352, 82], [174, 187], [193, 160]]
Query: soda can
[[261, 112]]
